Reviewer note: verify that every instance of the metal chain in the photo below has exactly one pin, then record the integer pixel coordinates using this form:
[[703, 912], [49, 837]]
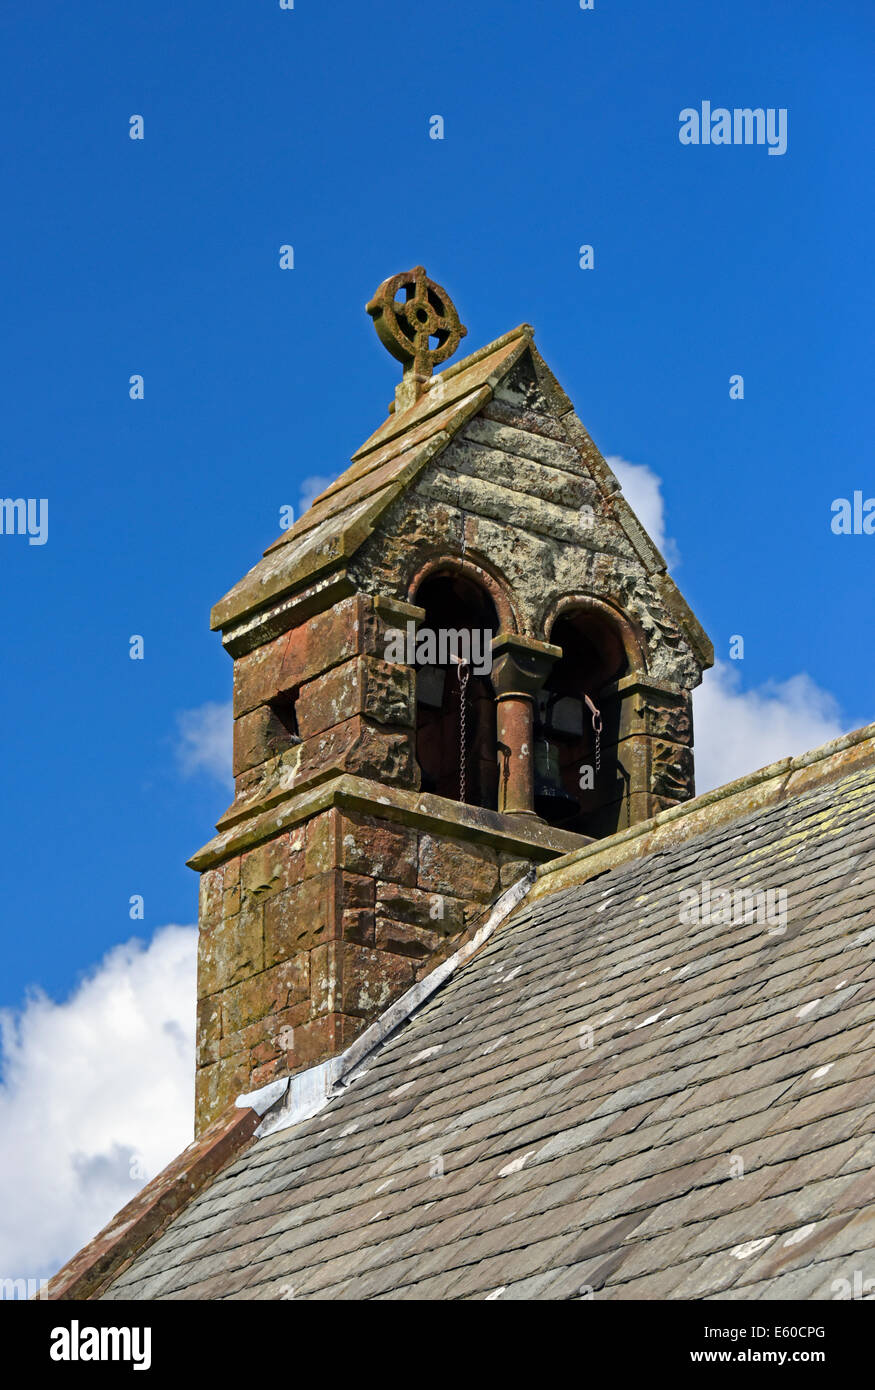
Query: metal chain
[[597, 730], [463, 671]]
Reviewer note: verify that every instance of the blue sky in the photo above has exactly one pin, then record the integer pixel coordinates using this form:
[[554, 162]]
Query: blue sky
[[310, 127]]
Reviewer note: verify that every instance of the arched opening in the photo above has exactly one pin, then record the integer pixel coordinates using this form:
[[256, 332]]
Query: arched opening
[[571, 789], [460, 618]]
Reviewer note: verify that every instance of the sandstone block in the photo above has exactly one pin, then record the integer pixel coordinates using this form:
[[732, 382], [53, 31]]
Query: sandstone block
[[320, 1038], [259, 735], [209, 1029], [267, 1037], [269, 992], [211, 891], [402, 939], [372, 979], [358, 924], [511, 871], [218, 1085], [232, 951], [361, 748], [436, 912], [671, 770], [324, 980], [365, 685], [299, 919], [357, 890], [273, 866], [320, 852], [321, 642], [381, 851], [464, 870]]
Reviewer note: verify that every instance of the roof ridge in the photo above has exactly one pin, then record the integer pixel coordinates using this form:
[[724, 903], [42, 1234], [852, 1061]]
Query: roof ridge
[[297, 1098], [522, 330], [142, 1220], [777, 781]]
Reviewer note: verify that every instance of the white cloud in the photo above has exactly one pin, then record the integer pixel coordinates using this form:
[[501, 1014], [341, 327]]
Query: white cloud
[[642, 489], [93, 1089], [738, 731], [205, 740], [311, 487]]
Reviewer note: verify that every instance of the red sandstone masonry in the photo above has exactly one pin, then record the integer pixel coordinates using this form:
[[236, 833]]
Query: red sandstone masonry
[[324, 641], [307, 937]]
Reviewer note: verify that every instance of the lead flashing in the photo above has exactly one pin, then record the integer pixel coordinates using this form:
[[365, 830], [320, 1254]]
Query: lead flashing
[[306, 1093]]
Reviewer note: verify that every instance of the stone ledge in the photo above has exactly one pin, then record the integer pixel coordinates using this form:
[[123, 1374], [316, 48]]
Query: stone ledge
[[757, 790], [280, 616], [144, 1218], [423, 810]]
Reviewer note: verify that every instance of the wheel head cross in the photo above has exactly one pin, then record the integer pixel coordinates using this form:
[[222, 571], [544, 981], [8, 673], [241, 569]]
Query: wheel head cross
[[417, 322]]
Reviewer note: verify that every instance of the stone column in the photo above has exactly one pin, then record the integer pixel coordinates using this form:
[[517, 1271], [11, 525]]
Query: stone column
[[653, 751], [520, 665]]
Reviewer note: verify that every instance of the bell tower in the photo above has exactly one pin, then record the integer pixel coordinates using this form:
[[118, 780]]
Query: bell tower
[[466, 658]]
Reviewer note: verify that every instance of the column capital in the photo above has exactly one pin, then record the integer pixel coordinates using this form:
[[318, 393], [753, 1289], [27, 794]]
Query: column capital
[[520, 665]]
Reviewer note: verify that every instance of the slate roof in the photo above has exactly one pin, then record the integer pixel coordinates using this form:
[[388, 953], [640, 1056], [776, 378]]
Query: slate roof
[[485, 1150]]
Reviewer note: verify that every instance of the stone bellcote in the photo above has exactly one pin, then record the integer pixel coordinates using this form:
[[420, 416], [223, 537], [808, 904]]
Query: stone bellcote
[[420, 664]]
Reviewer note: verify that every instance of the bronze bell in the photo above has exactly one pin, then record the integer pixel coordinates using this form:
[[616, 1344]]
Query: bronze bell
[[552, 801]]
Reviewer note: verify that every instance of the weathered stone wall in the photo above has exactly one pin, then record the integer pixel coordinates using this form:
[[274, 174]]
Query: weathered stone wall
[[307, 937], [648, 751], [476, 500], [525, 497], [353, 711]]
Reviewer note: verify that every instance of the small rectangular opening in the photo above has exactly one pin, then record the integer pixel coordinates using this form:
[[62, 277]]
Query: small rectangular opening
[[284, 710]]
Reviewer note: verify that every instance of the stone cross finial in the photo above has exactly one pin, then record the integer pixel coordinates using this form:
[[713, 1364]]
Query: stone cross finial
[[411, 312]]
